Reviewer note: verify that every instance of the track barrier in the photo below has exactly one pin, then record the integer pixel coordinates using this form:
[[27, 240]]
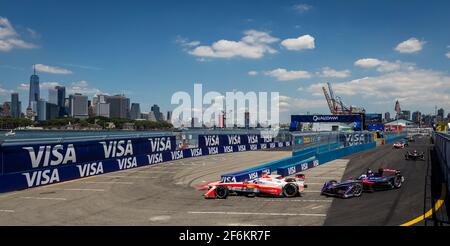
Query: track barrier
[[31, 165]]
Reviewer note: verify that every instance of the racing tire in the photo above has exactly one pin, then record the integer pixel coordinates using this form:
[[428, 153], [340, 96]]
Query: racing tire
[[397, 182], [221, 192], [357, 190], [251, 195], [332, 182], [290, 190]]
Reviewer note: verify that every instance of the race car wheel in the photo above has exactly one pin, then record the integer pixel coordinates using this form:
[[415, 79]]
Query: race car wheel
[[357, 190], [332, 182], [290, 190], [221, 192], [397, 182]]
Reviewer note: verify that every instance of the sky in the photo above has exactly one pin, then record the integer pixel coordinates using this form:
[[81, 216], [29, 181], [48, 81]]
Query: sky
[[373, 52]]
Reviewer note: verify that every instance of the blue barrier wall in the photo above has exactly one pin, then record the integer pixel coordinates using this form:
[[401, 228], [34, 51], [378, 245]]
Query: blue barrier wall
[[303, 160], [26, 166], [442, 147]]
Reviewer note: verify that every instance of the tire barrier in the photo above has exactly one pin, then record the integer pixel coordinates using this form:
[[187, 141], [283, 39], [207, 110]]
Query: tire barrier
[[32, 165]]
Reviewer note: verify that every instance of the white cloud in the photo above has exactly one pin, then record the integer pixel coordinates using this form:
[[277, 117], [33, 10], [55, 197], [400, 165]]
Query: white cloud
[[447, 55], [295, 105], [50, 69], [253, 73], [42, 86], [384, 66], [10, 39], [254, 45], [332, 73], [411, 45], [302, 8], [368, 63], [282, 74], [301, 43], [417, 88], [84, 88]]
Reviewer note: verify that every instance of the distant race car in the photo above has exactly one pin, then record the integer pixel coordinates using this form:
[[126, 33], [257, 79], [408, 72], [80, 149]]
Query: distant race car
[[385, 179], [410, 139], [400, 144], [415, 156], [274, 185]]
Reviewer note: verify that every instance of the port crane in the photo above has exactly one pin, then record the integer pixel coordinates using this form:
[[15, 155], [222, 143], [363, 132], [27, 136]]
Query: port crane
[[337, 106]]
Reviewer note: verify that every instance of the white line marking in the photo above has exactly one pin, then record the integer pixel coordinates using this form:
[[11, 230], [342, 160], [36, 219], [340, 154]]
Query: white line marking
[[131, 177], [296, 200], [84, 190], [316, 207], [156, 172], [107, 182], [249, 213], [44, 198], [7, 211]]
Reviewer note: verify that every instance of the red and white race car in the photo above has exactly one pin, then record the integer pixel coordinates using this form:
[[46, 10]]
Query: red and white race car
[[400, 145], [275, 185]]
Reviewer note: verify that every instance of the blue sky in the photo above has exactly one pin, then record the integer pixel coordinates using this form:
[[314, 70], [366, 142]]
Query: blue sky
[[374, 52]]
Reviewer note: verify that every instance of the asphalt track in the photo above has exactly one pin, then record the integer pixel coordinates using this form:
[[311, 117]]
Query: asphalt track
[[393, 207], [165, 194]]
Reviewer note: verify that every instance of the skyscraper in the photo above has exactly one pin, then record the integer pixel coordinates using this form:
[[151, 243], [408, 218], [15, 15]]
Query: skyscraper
[[440, 113], [41, 110], [61, 96], [34, 88], [169, 116], [416, 116], [155, 109], [78, 106], [135, 112], [119, 106], [16, 105]]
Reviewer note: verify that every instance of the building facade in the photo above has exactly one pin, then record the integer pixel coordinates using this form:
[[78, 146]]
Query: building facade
[[78, 106]]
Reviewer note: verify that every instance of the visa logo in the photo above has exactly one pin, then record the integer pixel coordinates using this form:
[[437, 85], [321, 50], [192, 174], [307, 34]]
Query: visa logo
[[90, 169], [160, 144], [42, 177], [126, 163], [213, 150], [114, 149], [53, 156], [234, 139], [252, 139], [212, 140], [242, 148], [196, 152], [155, 158], [177, 154], [227, 149], [253, 147]]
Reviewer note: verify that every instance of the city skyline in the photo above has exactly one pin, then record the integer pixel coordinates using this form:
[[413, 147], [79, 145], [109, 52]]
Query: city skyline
[[275, 47]]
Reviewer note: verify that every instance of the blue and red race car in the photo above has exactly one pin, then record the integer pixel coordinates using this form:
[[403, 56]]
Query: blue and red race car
[[384, 179]]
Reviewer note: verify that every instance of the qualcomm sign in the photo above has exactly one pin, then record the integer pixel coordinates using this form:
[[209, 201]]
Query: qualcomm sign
[[297, 119]]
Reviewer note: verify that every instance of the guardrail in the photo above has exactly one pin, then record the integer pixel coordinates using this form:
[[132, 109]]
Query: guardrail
[[442, 147]]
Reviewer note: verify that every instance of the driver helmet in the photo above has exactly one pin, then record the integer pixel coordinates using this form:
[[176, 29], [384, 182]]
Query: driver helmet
[[369, 173], [415, 151]]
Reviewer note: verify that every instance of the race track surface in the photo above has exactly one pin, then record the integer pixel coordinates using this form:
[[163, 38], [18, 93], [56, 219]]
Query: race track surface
[[165, 194], [393, 207]]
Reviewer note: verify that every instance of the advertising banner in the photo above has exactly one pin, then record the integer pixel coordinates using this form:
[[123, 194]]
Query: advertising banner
[[27, 166]]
